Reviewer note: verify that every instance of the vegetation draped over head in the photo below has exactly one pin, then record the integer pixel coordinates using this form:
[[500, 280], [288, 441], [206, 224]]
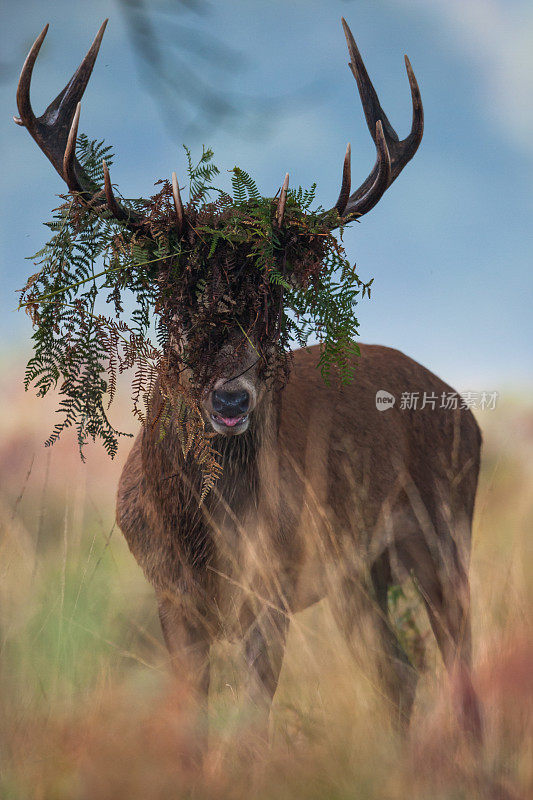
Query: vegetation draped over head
[[234, 269]]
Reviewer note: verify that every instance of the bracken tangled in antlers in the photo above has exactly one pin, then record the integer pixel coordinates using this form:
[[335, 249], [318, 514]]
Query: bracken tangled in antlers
[[269, 268]]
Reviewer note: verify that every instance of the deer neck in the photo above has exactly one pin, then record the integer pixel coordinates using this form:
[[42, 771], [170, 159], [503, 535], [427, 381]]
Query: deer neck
[[247, 460]]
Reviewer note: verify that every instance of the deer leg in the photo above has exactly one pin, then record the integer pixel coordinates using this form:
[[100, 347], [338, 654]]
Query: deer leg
[[443, 583], [188, 641], [360, 607], [264, 649], [449, 616], [398, 675]]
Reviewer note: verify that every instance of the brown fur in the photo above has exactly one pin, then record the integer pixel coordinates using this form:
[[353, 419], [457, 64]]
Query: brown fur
[[323, 495]]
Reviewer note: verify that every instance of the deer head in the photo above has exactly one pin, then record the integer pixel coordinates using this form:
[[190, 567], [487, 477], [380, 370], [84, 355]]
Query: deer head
[[243, 360]]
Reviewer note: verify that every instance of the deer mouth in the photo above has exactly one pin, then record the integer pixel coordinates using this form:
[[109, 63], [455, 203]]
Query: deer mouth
[[229, 424]]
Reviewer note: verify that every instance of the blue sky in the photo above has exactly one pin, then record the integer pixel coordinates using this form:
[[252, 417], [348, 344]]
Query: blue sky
[[449, 246]]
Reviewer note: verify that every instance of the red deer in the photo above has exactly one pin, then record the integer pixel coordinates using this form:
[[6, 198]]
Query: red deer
[[322, 492]]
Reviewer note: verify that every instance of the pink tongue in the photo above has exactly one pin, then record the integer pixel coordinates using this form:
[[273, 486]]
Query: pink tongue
[[230, 421]]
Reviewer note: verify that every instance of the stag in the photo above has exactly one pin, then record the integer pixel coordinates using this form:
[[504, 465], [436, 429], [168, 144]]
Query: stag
[[322, 493]]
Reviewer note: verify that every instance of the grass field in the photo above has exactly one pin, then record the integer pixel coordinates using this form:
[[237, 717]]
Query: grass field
[[87, 709]]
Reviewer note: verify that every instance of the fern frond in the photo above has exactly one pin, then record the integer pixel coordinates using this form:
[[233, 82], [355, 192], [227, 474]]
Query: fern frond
[[237, 271]]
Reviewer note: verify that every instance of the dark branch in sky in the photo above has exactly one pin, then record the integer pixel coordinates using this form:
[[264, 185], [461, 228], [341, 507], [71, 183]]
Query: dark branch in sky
[[189, 72]]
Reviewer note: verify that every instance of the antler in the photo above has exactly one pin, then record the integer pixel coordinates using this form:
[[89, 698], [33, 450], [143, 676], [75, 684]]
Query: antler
[[392, 154], [56, 130], [178, 205], [282, 202]]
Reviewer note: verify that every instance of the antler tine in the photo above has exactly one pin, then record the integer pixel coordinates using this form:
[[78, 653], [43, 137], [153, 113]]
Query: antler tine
[[399, 151], [369, 97], [417, 124], [178, 205], [344, 193], [69, 173], [116, 209], [280, 211], [382, 170], [27, 117]]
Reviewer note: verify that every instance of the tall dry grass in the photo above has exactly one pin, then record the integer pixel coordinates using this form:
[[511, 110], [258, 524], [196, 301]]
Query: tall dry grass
[[87, 707]]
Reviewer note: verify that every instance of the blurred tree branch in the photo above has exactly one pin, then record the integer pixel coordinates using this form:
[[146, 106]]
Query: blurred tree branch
[[175, 60]]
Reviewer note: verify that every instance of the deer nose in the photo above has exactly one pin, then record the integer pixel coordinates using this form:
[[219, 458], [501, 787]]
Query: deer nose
[[230, 404]]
